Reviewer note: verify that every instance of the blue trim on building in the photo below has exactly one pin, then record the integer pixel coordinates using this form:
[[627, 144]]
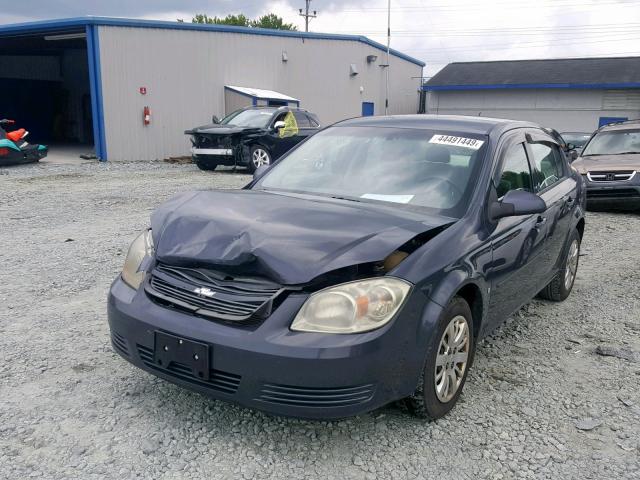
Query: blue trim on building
[[92, 88], [95, 84], [81, 22], [599, 86], [98, 75]]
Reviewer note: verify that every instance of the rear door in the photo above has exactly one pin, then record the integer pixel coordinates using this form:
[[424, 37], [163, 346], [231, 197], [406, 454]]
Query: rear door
[[559, 191], [516, 242]]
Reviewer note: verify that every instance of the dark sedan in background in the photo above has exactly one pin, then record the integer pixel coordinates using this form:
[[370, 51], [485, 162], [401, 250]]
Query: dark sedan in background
[[251, 137], [360, 269]]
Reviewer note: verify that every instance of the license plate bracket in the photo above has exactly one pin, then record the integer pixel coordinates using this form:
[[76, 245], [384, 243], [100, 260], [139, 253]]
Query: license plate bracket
[[184, 354]]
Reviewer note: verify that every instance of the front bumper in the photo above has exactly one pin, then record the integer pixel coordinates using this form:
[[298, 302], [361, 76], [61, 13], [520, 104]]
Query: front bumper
[[271, 368], [621, 193]]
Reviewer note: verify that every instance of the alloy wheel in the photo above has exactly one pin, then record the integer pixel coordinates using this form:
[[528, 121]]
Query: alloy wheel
[[260, 157], [572, 265], [452, 358]]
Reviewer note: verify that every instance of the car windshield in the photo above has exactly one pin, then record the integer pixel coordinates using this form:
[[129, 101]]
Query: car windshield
[[423, 168], [249, 118], [613, 143], [577, 138]]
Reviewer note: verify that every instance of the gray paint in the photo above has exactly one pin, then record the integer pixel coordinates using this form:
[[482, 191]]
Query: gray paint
[[185, 73], [562, 109]]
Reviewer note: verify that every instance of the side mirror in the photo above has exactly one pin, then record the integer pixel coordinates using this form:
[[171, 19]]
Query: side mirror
[[215, 119], [279, 124], [260, 171], [570, 146], [517, 202], [573, 154]]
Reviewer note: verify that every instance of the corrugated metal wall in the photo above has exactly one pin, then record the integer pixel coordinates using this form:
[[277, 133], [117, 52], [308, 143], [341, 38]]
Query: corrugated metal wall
[[184, 73], [562, 109]]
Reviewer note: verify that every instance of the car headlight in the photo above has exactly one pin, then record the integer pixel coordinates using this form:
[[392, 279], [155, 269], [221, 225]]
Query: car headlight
[[352, 307], [140, 248]]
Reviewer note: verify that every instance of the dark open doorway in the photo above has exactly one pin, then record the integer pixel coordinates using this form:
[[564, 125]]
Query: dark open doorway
[[46, 88]]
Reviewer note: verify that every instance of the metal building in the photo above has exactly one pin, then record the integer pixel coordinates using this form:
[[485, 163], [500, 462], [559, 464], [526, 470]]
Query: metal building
[[95, 80], [577, 94]]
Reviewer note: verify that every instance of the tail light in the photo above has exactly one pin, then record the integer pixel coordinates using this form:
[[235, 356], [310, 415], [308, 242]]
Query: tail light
[[4, 152]]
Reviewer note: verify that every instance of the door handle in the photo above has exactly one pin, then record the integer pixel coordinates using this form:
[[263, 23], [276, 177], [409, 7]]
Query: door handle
[[570, 200], [540, 222]]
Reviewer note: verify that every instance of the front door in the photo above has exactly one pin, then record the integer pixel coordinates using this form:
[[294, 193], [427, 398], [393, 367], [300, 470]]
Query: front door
[[516, 242]]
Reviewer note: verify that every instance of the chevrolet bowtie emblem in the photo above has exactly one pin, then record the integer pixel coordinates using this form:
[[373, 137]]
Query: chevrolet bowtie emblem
[[204, 292]]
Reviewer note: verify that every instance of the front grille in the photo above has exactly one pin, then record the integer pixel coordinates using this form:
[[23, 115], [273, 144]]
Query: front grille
[[316, 396], [213, 141], [220, 381], [619, 176], [120, 344], [209, 294], [613, 193]]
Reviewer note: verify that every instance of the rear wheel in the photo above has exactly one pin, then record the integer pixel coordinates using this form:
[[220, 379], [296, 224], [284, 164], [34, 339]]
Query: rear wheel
[[449, 357], [560, 287], [260, 156], [204, 164]]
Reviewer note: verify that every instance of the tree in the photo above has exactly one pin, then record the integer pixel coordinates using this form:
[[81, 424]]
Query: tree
[[272, 21], [238, 20], [266, 21]]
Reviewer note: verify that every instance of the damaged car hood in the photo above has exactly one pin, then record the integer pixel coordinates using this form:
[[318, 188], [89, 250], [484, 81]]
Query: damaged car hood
[[218, 129], [291, 240]]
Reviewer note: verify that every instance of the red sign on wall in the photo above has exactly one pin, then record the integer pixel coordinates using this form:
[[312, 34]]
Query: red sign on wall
[[143, 90]]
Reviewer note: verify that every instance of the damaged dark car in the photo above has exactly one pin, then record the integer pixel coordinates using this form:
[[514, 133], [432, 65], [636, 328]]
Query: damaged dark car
[[251, 137], [360, 269]]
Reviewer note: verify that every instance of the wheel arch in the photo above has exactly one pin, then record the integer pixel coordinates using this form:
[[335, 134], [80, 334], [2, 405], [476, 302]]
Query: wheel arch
[[580, 227]]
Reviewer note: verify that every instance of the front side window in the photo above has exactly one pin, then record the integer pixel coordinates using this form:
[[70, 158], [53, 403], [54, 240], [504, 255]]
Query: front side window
[[547, 165], [414, 167], [613, 143], [516, 174]]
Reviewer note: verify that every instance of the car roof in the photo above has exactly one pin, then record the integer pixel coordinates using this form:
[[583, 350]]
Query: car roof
[[477, 125], [628, 125], [274, 108]]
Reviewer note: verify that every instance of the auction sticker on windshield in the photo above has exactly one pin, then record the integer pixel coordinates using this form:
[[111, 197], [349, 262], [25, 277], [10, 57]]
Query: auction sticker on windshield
[[471, 143]]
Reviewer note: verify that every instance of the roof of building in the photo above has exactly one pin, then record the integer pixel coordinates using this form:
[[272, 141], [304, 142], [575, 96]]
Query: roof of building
[[612, 72], [59, 25], [261, 93], [450, 123]]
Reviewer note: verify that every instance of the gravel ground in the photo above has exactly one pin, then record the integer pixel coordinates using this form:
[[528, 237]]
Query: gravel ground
[[540, 401]]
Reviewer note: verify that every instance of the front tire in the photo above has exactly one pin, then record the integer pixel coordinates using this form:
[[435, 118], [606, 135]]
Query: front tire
[[560, 287], [206, 165], [259, 156], [449, 357]]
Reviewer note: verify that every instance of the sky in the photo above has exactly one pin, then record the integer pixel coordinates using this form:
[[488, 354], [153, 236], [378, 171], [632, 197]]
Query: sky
[[435, 31]]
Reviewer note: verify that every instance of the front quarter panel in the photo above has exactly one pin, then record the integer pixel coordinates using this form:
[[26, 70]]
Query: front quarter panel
[[445, 264]]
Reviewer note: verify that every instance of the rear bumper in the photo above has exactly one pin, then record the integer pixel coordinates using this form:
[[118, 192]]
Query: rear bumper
[[271, 368]]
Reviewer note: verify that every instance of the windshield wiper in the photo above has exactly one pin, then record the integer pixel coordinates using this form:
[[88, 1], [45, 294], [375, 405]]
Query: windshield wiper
[[625, 153]]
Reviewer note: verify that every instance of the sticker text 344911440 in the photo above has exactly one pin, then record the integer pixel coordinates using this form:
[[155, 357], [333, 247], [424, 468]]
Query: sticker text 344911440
[[471, 143]]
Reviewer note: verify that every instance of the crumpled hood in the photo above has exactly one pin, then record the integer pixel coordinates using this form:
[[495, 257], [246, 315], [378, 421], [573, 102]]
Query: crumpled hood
[[217, 129], [290, 240], [607, 163]]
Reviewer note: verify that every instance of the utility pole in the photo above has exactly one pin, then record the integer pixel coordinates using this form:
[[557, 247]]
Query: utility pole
[[307, 15], [386, 102]]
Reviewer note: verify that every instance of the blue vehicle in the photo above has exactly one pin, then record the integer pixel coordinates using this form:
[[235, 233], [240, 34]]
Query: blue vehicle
[[359, 269], [15, 150]]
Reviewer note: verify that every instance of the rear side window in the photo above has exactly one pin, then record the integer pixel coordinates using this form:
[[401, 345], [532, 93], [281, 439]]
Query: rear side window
[[313, 122], [547, 165], [301, 119], [516, 174]]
